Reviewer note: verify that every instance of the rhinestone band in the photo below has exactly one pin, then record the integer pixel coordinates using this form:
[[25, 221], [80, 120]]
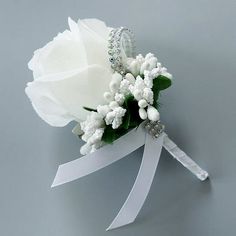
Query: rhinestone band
[[120, 46], [154, 128]]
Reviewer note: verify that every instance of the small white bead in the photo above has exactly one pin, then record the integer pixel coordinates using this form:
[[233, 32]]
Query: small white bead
[[144, 66], [158, 64], [137, 94], [124, 87], [96, 137], [114, 86], [103, 109], [155, 72], [130, 78], [143, 114], [108, 96], [148, 95], [85, 149], [120, 98], [153, 114], [116, 123], [109, 117], [113, 104], [134, 68], [152, 62], [139, 57], [148, 80], [163, 70], [142, 103], [148, 56]]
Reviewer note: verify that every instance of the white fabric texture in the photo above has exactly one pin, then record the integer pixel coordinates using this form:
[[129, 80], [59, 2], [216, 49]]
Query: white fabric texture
[[120, 148]]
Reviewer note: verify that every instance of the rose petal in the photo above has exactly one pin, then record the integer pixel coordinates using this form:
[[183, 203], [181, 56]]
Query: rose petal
[[60, 101], [94, 34], [46, 106], [66, 52], [70, 72]]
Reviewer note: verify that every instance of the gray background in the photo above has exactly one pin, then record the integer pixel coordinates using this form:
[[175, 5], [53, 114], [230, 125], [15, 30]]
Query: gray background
[[196, 41]]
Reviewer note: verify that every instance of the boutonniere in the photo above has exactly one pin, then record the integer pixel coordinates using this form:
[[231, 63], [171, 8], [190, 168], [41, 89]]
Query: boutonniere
[[91, 74]]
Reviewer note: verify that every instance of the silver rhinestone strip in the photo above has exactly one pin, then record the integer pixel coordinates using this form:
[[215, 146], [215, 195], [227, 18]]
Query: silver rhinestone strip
[[121, 40], [154, 128]]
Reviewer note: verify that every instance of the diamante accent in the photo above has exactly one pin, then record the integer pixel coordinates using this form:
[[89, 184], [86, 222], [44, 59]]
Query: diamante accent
[[120, 39], [154, 128]]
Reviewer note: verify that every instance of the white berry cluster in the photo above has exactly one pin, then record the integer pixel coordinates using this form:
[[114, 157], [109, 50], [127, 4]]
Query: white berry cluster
[[113, 110], [121, 86], [149, 68], [93, 129], [108, 114]]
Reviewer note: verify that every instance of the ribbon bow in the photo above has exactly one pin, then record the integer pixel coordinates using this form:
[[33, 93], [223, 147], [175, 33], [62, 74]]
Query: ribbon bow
[[111, 153]]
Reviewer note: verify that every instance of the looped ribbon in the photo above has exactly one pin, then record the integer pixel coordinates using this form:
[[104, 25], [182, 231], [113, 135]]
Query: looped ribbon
[[111, 153]]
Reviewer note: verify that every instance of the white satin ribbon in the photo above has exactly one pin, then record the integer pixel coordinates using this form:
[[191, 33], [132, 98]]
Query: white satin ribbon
[[141, 187], [101, 158], [120, 148]]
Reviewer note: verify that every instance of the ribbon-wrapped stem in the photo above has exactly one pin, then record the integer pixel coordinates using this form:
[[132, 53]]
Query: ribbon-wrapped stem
[[184, 159], [155, 129]]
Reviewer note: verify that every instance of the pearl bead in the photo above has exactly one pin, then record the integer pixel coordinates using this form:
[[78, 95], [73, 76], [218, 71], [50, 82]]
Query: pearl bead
[[142, 103], [153, 113], [142, 114]]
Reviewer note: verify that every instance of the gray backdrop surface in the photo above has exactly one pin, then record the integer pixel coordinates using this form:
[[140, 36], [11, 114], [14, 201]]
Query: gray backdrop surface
[[196, 41]]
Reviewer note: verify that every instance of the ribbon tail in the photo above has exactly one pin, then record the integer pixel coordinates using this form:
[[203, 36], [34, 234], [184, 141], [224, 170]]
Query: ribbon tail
[[101, 158], [184, 159], [141, 187]]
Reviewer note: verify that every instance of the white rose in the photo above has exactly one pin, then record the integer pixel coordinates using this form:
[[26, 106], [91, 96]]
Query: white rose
[[70, 72]]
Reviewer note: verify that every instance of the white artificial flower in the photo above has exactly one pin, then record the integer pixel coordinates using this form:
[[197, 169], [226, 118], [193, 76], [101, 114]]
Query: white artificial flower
[[142, 113], [103, 109], [96, 137], [141, 91], [145, 66], [85, 149], [130, 78], [110, 117], [134, 64], [148, 78], [149, 55], [119, 113], [113, 105], [155, 72], [148, 95], [153, 114], [124, 87], [120, 98], [93, 122], [134, 67], [142, 103], [70, 72], [93, 129], [115, 116]]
